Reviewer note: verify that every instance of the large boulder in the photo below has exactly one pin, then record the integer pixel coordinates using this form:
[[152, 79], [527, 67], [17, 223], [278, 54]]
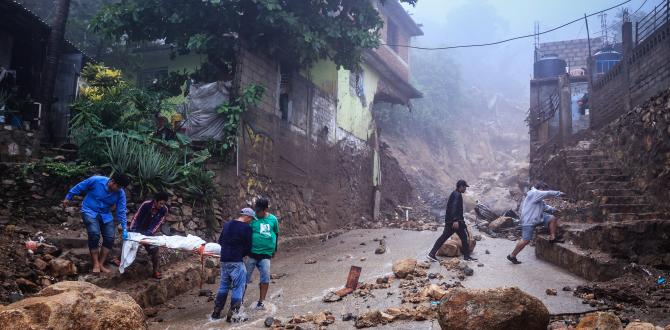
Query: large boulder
[[404, 267], [600, 321], [74, 305], [492, 309], [501, 223], [454, 248]]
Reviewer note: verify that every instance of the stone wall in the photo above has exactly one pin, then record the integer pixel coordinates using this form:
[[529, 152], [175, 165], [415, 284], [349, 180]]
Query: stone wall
[[16, 145], [639, 142], [644, 72]]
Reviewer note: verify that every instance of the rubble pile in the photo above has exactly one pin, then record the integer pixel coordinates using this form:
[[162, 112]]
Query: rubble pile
[[320, 320], [635, 295], [639, 142]]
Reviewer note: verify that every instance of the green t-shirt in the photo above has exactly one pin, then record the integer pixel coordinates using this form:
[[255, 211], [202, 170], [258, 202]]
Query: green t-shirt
[[264, 234]]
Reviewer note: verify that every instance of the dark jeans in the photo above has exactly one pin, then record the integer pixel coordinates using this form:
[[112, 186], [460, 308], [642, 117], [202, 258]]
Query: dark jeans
[[448, 231], [96, 227]]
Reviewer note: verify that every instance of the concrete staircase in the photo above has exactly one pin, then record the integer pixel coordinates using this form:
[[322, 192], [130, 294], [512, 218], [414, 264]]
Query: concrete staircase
[[621, 227]]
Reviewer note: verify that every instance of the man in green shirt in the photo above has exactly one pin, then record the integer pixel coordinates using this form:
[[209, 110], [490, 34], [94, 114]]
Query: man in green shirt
[[264, 234]]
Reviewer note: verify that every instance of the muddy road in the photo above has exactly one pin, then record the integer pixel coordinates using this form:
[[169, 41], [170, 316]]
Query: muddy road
[[302, 287]]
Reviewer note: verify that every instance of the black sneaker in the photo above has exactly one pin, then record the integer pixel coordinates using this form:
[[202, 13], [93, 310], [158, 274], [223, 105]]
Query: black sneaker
[[469, 258], [259, 306], [432, 258], [513, 260]]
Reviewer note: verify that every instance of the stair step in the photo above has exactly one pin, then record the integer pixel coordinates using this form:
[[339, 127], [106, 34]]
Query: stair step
[[590, 164], [623, 200], [584, 152], [587, 158], [618, 217], [606, 185], [598, 170], [602, 177], [591, 265], [626, 208], [617, 192]]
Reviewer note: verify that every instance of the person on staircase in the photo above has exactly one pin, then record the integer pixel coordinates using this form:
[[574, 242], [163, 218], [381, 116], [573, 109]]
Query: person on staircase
[[265, 230], [147, 221], [235, 241], [102, 193], [454, 222], [535, 212]]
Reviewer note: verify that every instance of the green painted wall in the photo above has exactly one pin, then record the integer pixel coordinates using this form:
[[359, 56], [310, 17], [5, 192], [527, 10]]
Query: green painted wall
[[323, 74], [352, 115]]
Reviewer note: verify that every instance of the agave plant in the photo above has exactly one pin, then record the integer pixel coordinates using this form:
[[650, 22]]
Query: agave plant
[[121, 154], [156, 171]]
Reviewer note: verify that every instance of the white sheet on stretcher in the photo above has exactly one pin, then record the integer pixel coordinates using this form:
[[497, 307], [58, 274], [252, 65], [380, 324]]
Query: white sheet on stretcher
[[189, 242]]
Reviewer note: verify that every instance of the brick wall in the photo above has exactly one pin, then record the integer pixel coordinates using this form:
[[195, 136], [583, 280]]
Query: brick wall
[[643, 73], [257, 69], [574, 52]]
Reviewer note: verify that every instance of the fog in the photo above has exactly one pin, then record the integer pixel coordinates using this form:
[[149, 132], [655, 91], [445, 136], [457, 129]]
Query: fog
[[505, 68]]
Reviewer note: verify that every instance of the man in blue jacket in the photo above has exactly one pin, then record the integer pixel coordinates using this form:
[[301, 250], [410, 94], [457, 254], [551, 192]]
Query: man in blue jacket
[[101, 194]]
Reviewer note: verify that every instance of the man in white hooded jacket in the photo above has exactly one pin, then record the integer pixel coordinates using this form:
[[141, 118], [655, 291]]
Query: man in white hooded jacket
[[535, 212]]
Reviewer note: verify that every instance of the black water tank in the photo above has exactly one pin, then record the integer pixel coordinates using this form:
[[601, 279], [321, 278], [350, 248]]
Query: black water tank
[[549, 66]]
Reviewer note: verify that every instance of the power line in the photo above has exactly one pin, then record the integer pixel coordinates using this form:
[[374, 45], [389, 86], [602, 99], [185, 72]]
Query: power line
[[642, 5], [511, 39]]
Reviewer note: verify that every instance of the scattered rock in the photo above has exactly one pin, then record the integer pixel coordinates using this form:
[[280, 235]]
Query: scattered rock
[[501, 223], [324, 318], [480, 265], [310, 261], [567, 288], [551, 292], [331, 297], [487, 252], [600, 321], [347, 317], [468, 271], [449, 249], [558, 325], [369, 319], [404, 267], [363, 258], [150, 311], [489, 309], [205, 293], [269, 321], [381, 249], [43, 248], [74, 304], [62, 267], [434, 292], [477, 237], [277, 276], [26, 285], [640, 326], [40, 264]]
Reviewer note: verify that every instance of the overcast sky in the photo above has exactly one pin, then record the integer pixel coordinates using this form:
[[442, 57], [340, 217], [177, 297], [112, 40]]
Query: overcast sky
[[454, 22]]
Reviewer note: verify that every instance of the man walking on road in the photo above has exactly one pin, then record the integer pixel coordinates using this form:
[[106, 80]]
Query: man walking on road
[[101, 194], [454, 222], [235, 241], [265, 229], [535, 212]]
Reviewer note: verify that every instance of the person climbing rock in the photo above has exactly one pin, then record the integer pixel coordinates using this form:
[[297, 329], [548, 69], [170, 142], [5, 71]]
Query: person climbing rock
[[454, 222], [265, 230], [235, 241], [535, 212], [147, 221], [101, 194]]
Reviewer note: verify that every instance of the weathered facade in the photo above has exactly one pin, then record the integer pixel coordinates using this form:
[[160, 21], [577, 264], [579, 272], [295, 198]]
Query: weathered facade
[[23, 49]]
